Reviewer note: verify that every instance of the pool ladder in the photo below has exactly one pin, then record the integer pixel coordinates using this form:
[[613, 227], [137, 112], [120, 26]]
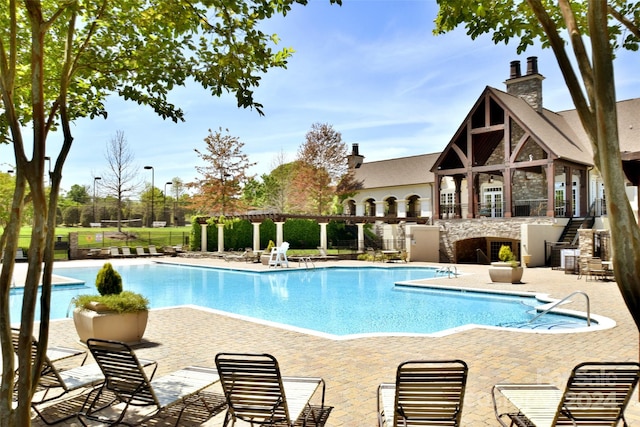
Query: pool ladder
[[306, 260], [449, 270], [557, 303]]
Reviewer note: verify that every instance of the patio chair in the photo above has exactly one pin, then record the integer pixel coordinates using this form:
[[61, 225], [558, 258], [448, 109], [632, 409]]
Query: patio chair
[[153, 251], [596, 394], [256, 392], [140, 251], [426, 393], [114, 252], [595, 269], [126, 378], [61, 381], [278, 256]]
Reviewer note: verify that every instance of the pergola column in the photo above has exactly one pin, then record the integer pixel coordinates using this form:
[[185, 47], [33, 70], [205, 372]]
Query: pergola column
[[323, 235], [203, 237], [256, 235], [220, 237], [279, 234], [379, 207], [360, 237], [401, 208]]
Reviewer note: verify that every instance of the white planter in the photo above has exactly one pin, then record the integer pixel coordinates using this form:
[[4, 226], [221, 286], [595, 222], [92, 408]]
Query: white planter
[[504, 272], [109, 325]]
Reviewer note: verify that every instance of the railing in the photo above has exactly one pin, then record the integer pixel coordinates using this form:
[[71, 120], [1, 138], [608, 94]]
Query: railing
[[530, 207], [557, 303]]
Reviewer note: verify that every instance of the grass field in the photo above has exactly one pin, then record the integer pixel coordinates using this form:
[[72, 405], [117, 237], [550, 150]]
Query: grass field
[[106, 237]]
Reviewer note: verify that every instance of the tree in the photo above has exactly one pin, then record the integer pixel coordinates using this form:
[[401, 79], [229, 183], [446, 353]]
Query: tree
[[277, 184], [58, 63], [78, 194], [219, 190], [121, 178], [592, 90], [325, 157]]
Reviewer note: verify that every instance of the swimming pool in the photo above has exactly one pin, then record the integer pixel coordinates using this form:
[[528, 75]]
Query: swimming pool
[[335, 301]]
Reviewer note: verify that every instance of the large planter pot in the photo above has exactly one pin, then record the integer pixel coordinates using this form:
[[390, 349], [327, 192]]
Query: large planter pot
[[504, 272], [110, 325], [264, 259]]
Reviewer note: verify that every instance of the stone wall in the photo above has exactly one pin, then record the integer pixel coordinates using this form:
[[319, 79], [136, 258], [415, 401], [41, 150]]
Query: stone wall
[[454, 230]]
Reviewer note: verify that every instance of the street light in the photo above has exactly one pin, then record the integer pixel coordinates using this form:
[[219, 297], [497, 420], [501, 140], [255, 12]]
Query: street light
[[152, 188], [48, 159], [96, 178], [164, 202]]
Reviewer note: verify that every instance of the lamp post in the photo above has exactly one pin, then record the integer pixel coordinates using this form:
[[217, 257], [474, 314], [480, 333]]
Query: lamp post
[[152, 191], [95, 179], [164, 202], [48, 159]]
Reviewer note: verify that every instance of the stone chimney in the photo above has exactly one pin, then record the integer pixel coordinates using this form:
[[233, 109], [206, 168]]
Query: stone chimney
[[529, 86], [355, 160]]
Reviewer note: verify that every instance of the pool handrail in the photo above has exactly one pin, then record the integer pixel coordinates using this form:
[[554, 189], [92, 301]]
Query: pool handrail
[[557, 303]]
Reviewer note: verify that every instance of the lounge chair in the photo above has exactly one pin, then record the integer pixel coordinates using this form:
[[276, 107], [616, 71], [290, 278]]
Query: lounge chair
[[596, 394], [426, 393], [60, 381], [125, 377], [153, 251], [322, 255], [278, 256], [114, 252], [140, 251], [126, 252], [20, 256], [256, 392], [246, 256]]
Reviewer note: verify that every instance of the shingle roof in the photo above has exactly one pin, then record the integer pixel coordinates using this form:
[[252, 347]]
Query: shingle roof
[[395, 172], [548, 128]]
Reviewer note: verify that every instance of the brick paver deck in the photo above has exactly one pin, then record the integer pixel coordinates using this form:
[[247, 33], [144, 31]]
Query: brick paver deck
[[353, 368]]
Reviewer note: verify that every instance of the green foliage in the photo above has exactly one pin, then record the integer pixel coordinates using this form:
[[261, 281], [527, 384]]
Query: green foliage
[[505, 255], [267, 232], [108, 280], [238, 233], [301, 233], [124, 302]]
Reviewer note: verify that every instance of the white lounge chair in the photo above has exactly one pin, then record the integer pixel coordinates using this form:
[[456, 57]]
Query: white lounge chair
[[153, 251], [278, 256], [140, 251]]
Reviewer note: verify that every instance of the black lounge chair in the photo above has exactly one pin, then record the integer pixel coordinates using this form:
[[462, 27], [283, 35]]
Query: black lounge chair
[[55, 383], [257, 393], [126, 379], [426, 393], [596, 394]]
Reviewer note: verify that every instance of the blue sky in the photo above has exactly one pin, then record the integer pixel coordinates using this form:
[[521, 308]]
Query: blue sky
[[372, 69]]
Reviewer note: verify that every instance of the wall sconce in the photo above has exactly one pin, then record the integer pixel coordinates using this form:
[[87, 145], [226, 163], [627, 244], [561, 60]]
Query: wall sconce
[[490, 179]]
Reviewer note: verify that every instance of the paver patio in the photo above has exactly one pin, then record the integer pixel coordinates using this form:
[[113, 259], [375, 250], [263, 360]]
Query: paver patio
[[353, 368]]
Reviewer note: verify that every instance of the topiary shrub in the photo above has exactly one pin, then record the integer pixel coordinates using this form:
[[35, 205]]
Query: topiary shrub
[[108, 280]]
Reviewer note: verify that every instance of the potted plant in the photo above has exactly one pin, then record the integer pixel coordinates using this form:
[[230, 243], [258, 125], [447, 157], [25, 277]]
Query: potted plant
[[266, 255], [508, 270], [114, 314]]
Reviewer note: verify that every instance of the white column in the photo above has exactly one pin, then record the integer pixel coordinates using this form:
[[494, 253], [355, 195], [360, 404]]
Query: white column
[[203, 237], [359, 209], [256, 235], [279, 233], [426, 208], [323, 235], [379, 207], [401, 207], [220, 237], [360, 237]]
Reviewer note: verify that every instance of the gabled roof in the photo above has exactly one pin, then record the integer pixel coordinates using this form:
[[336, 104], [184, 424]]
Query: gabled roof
[[396, 172], [549, 129]]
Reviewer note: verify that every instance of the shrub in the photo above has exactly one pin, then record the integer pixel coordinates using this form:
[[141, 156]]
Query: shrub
[[124, 302], [108, 280]]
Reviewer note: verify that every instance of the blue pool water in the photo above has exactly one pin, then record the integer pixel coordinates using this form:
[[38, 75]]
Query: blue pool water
[[337, 301]]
